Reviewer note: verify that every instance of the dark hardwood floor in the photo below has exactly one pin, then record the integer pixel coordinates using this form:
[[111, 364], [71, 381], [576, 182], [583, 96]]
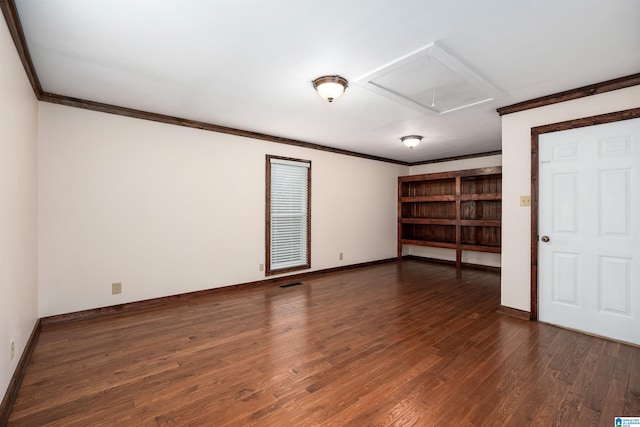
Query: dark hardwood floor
[[394, 344]]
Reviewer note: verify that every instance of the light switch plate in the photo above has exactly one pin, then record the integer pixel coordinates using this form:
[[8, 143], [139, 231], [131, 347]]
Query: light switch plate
[[525, 200]]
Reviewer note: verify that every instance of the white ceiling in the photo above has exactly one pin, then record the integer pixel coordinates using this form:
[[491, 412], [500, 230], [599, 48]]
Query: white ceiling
[[248, 64]]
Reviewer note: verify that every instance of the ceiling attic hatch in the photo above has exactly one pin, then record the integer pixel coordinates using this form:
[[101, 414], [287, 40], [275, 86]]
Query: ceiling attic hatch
[[432, 80]]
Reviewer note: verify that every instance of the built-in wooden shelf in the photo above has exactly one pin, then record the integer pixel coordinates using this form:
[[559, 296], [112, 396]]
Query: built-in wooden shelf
[[460, 210]]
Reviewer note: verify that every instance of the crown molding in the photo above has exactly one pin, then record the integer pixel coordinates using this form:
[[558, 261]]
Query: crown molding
[[454, 158], [145, 115], [568, 95], [10, 13]]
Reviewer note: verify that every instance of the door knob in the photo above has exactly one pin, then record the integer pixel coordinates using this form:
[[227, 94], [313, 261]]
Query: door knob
[[545, 239]]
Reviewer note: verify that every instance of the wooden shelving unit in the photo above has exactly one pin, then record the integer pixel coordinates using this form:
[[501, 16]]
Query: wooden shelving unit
[[459, 210]]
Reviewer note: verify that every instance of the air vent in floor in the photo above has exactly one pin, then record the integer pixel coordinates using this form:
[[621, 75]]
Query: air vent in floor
[[291, 284]]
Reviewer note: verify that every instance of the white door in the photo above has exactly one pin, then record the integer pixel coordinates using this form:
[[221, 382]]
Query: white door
[[589, 209]]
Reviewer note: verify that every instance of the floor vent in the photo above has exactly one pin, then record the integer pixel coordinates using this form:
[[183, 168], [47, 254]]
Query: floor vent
[[291, 284]]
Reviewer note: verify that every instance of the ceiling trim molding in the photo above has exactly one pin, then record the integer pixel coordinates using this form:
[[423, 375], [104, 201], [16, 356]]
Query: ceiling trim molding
[[145, 115], [568, 95], [451, 159], [12, 19], [10, 13]]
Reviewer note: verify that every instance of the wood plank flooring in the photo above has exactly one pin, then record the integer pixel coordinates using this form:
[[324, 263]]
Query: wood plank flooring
[[407, 344]]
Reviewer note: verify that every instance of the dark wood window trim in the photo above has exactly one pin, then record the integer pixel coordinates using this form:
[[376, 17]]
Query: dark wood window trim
[[268, 270], [568, 95], [633, 113]]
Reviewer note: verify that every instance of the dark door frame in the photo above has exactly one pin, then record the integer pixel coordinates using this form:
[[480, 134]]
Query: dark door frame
[[617, 116]]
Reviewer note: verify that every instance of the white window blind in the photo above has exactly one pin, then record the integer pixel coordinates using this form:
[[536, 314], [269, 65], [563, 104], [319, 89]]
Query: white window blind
[[289, 213]]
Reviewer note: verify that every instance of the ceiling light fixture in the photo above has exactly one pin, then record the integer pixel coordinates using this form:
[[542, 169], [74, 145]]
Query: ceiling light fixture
[[411, 140], [330, 87]]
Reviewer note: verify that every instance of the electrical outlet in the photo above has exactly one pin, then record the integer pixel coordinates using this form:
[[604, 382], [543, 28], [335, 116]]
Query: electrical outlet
[[116, 288], [12, 349], [261, 267], [341, 256], [525, 200]]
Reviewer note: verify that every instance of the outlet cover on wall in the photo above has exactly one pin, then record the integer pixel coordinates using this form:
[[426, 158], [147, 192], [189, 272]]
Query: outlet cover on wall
[[116, 288], [525, 200], [12, 349]]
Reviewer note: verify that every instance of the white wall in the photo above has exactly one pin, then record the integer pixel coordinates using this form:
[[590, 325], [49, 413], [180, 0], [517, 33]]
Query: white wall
[[480, 258], [167, 209], [18, 198], [516, 181]]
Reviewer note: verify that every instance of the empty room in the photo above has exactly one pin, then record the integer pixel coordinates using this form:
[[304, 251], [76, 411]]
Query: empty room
[[337, 213]]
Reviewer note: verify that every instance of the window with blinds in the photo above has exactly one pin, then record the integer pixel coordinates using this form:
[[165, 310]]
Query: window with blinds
[[288, 214]]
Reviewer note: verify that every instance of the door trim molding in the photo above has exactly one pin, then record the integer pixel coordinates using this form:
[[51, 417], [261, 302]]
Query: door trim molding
[[617, 116]]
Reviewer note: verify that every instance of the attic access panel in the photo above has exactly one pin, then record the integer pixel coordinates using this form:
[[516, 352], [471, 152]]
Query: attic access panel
[[432, 80]]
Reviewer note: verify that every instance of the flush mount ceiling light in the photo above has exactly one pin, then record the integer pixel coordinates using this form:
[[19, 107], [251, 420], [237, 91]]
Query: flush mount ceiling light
[[411, 140], [330, 87]]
